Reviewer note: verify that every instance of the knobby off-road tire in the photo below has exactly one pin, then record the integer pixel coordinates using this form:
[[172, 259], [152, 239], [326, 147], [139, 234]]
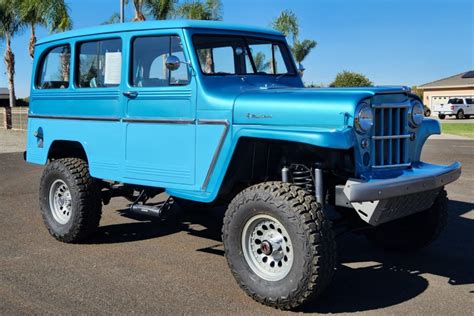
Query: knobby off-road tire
[[415, 231], [69, 200], [293, 212]]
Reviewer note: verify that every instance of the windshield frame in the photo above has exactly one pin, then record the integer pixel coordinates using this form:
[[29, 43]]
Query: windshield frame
[[285, 51]]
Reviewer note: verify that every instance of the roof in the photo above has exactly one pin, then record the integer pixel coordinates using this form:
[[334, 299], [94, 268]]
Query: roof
[[462, 80], [160, 24]]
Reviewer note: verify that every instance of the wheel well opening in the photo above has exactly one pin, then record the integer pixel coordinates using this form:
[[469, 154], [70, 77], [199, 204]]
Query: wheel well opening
[[65, 149], [257, 160]]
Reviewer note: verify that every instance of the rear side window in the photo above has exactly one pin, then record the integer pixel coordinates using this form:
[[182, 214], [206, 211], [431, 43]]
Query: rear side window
[[455, 101], [469, 101], [54, 69], [148, 62], [99, 64]]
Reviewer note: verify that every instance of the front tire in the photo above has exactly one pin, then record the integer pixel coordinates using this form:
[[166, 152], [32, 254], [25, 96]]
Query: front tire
[[415, 231], [279, 245], [69, 200], [460, 115], [441, 116]]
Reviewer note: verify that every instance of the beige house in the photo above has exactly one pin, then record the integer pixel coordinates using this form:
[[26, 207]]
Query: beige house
[[440, 91]]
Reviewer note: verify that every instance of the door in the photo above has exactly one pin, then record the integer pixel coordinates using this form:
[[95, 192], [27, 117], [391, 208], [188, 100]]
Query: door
[[160, 114], [469, 106]]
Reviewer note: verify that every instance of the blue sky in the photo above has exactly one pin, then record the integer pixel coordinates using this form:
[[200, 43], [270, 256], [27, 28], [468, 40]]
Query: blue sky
[[406, 42]]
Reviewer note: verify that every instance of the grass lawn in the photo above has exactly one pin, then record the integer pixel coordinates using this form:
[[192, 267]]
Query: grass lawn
[[462, 129]]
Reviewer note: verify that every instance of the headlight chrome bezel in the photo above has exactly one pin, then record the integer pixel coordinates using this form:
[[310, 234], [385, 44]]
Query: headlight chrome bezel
[[364, 118], [416, 114]]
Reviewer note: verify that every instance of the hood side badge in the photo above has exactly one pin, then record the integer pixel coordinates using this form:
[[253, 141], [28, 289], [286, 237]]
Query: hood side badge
[[258, 116]]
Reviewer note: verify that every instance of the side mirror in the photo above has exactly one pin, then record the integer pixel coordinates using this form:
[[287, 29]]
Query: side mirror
[[172, 62], [301, 70]]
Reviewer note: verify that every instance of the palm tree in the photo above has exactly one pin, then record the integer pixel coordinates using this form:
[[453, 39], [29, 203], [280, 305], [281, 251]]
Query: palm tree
[[158, 9], [260, 64], [50, 13], [301, 50], [198, 10], [10, 24], [287, 23]]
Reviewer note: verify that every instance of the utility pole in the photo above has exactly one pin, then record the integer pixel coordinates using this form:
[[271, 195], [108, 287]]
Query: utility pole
[[122, 11]]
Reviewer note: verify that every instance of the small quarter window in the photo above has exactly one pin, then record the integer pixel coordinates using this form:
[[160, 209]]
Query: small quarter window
[[99, 64], [54, 69], [148, 62]]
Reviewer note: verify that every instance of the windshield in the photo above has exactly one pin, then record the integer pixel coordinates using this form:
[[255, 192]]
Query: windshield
[[239, 55]]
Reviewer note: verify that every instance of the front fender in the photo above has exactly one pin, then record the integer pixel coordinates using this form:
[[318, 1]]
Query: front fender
[[321, 137], [428, 127]]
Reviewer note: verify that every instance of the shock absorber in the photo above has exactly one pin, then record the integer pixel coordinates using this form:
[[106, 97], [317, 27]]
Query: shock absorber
[[318, 184]]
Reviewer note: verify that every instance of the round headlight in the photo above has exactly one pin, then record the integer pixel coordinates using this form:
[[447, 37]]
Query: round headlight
[[416, 114], [364, 118]]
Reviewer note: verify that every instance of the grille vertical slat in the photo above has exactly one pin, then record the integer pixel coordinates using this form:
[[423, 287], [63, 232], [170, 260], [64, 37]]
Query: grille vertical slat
[[382, 130], [397, 132], [389, 154], [390, 136]]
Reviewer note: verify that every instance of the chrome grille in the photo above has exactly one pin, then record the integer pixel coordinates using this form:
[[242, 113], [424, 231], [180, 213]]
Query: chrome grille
[[390, 137]]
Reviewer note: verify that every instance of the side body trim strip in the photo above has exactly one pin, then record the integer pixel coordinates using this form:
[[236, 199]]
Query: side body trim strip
[[212, 166]]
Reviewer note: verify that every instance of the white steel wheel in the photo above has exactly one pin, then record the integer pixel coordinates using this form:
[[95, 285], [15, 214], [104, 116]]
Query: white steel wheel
[[267, 247], [60, 201]]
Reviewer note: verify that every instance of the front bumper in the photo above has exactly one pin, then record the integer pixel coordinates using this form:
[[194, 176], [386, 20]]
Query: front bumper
[[408, 191]]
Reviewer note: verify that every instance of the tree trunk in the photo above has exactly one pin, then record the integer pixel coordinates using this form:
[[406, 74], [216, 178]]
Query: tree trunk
[[10, 67], [32, 41], [138, 11]]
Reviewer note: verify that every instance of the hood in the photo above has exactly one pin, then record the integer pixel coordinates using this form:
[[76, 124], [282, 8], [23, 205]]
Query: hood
[[330, 108]]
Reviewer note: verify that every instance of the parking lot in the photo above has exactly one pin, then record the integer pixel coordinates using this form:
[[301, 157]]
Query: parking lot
[[135, 265]]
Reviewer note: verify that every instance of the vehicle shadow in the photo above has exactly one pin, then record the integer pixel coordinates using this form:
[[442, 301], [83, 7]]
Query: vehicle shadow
[[367, 278], [148, 227]]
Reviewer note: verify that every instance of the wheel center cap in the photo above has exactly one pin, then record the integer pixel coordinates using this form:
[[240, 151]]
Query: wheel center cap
[[61, 201], [266, 247]]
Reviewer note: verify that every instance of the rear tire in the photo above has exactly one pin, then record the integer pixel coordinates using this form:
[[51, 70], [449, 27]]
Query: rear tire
[[70, 200], [415, 231], [296, 238], [441, 116], [460, 115]]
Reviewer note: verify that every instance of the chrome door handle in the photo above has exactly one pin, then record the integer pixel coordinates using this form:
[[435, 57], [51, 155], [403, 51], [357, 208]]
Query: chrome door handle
[[130, 94]]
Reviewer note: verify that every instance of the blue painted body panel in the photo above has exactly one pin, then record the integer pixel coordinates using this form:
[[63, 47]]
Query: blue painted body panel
[[178, 157]]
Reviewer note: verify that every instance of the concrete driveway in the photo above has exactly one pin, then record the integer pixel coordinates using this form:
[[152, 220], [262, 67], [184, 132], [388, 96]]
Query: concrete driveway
[[135, 265]]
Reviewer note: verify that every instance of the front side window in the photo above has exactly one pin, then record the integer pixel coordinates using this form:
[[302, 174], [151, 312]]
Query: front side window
[[99, 64], [54, 69], [149, 62], [231, 55]]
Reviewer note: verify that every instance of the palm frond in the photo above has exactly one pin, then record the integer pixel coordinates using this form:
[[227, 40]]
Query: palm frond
[[302, 49], [287, 23]]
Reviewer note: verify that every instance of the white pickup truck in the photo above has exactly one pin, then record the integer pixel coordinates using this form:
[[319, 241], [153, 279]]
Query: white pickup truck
[[461, 107]]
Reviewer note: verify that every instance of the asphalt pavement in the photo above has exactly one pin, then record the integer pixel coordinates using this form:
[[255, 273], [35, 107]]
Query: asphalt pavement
[[135, 265]]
